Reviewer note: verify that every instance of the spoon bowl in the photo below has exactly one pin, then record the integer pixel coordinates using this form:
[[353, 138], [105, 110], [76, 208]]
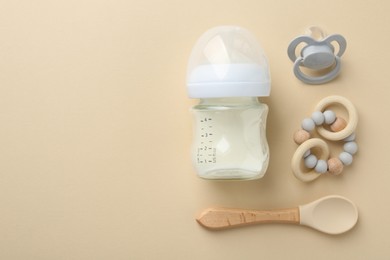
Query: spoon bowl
[[332, 214]]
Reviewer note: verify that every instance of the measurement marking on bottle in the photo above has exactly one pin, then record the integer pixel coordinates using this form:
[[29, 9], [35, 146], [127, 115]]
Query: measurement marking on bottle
[[206, 153]]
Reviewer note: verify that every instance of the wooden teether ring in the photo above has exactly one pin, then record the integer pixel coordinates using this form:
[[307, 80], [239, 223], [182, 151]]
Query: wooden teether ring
[[352, 115], [298, 156]]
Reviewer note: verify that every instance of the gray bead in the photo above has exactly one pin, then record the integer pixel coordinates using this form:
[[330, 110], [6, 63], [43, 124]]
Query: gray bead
[[330, 116], [321, 166], [308, 124], [351, 147], [318, 117], [350, 138], [346, 158], [306, 154], [311, 161]]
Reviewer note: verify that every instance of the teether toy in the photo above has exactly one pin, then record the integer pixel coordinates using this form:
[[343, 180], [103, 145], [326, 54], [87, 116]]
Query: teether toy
[[339, 130], [318, 54]]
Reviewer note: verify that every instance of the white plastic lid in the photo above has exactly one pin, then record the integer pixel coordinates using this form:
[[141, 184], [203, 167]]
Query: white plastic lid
[[227, 61]]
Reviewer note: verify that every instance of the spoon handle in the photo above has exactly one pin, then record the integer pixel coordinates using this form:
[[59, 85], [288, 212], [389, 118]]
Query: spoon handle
[[220, 218]]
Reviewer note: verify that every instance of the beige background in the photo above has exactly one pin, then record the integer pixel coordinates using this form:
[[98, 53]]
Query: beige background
[[95, 131]]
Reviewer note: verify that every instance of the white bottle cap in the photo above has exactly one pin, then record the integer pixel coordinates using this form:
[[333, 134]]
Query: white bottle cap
[[227, 61]]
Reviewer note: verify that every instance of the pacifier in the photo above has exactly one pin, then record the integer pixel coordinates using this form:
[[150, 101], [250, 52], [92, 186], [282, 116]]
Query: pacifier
[[317, 55]]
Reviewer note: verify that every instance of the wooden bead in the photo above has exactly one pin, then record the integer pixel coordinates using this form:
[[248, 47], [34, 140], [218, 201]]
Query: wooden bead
[[335, 166], [338, 125], [301, 136]]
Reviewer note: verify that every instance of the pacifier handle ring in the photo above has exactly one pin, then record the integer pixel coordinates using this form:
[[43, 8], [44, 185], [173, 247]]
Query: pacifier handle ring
[[316, 80], [340, 41], [294, 43]]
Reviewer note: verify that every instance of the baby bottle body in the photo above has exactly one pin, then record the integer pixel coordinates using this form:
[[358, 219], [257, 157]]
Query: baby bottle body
[[229, 138]]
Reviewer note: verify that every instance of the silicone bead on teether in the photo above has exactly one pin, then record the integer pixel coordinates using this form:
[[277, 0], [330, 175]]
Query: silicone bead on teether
[[350, 138], [318, 117], [306, 154], [321, 166], [301, 136], [338, 125], [330, 116], [351, 147], [311, 161], [346, 158], [335, 166], [308, 124]]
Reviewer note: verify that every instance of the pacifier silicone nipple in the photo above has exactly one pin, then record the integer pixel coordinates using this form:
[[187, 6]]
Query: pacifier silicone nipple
[[318, 54]]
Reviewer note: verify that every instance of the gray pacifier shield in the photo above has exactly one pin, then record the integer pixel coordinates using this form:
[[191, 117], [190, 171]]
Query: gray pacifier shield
[[317, 55]]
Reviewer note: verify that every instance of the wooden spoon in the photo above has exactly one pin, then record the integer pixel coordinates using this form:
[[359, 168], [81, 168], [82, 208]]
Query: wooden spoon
[[331, 214]]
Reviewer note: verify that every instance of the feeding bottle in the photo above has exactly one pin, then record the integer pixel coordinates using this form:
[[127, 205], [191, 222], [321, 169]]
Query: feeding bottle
[[228, 71]]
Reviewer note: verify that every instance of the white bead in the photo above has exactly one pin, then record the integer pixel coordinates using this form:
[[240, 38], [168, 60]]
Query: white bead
[[351, 147], [306, 154], [321, 166], [311, 161], [346, 158], [318, 117], [330, 116], [350, 138], [308, 124]]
